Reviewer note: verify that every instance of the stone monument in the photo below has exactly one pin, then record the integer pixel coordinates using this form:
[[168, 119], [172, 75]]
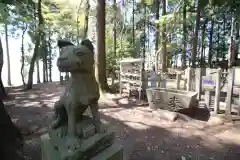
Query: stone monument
[[74, 136]]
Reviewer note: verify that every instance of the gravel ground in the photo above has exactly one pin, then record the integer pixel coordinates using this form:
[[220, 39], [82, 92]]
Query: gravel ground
[[142, 135]]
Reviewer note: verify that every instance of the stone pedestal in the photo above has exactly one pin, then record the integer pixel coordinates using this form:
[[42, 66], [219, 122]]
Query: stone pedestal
[[94, 146]]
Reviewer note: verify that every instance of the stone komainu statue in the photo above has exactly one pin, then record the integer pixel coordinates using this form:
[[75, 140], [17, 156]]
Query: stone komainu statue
[[81, 91]]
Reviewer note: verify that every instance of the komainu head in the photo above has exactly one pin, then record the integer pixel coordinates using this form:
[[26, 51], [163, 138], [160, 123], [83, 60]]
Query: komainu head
[[75, 58]]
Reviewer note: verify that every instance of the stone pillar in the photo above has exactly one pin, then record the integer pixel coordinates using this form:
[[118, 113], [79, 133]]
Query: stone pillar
[[120, 83], [207, 98], [229, 91], [217, 91], [198, 82], [163, 80], [178, 78], [189, 78]]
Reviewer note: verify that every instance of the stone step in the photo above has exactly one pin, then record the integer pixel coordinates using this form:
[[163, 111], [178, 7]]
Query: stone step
[[114, 152]]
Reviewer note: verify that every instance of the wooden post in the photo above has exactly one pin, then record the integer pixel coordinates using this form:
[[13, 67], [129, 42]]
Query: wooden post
[[217, 91], [230, 91], [178, 80]]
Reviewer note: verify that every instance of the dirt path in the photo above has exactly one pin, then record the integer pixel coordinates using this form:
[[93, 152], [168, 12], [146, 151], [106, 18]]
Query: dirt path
[[143, 136]]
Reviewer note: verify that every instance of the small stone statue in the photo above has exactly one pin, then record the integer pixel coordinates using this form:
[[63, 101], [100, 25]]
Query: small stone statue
[[81, 90]]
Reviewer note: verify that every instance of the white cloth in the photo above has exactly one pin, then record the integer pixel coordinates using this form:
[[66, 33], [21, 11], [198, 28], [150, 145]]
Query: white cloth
[[153, 79]]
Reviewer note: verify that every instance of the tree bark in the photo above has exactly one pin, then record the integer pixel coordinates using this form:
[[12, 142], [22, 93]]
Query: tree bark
[[164, 40], [87, 10], [100, 70], [8, 54], [236, 46], [46, 56], [44, 50], [202, 60], [11, 138], [23, 55], [230, 48], [115, 29], [195, 37], [184, 35], [50, 57], [218, 42], [38, 70], [157, 16], [35, 53], [3, 93], [210, 44], [133, 21]]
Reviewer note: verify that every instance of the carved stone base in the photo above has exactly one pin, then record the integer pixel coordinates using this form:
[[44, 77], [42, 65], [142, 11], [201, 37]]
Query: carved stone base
[[92, 145], [171, 99]]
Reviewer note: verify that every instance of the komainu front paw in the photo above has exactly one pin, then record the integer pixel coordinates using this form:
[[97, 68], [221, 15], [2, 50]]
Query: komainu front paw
[[73, 143], [56, 123]]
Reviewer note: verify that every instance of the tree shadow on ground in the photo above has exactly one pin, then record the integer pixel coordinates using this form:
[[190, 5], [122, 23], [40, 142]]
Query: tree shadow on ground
[[152, 142], [143, 136], [141, 140], [31, 109]]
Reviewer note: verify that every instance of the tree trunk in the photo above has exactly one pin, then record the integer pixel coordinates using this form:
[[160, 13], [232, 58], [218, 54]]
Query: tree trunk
[[78, 27], [35, 53], [224, 34], [46, 57], [184, 35], [157, 16], [100, 70], [44, 50], [8, 54], [11, 138], [23, 55], [230, 49], [50, 57], [38, 70], [164, 40], [43, 62], [195, 37], [210, 44], [3, 93], [133, 21], [87, 9], [202, 60], [218, 42], [236, 46], [115, 29]]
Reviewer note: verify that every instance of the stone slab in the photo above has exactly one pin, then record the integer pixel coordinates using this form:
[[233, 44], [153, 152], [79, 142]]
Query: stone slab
[[171, 99], [91, 143], [48, 151], [114, 152], [89, 147]]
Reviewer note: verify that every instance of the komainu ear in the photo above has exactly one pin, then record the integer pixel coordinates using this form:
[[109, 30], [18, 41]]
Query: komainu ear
[[63, 43], [87, 43]]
